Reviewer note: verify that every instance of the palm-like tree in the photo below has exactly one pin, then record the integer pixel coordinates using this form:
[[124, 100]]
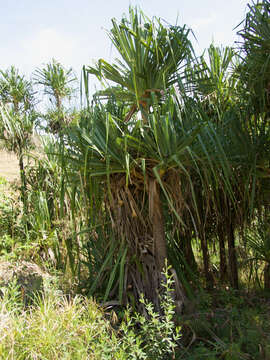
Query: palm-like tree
[[15, 90], [130, 159], [57, 83], [154, 167], [213, 79], [185, 162], [131, 164], [17, 116], [254, 73]]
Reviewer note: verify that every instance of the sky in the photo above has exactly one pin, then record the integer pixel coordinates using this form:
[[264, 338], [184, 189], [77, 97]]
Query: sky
[[74, 32]]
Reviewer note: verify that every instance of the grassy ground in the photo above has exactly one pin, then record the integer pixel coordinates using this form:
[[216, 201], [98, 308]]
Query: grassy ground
[[224, 325], [57, 326]]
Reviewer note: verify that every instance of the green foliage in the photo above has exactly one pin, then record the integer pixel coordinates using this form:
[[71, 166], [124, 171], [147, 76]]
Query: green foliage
[[213, 79], [151, 53], [14, 242], [56, 81], [230, 325], [16, 129], [156, 332], [9, 212], [3, 181], [255, 68], [258, 240], [11, 298], [77, 329]]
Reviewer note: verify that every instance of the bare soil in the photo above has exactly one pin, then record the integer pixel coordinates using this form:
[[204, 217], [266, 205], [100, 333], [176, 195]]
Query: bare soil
[[9, 166]]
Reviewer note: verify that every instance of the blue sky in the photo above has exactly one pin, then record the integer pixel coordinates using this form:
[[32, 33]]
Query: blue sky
[[74, 31]]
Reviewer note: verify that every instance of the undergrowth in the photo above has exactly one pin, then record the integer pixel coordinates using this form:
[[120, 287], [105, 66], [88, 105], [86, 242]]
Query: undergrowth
[[58, 327], [226, 324]]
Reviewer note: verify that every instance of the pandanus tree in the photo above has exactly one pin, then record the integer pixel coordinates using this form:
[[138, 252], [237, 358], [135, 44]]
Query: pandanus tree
[[215, 84], [163, 159], [235, 97], [131, 155], [57, 83], [254, 72], [17, 117], [213, 81], [165, 162], [137, 168]]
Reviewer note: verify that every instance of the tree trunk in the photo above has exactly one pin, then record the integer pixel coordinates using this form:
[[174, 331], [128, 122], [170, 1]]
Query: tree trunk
[[202, 235], [144, 234], [156, 218], [187, 250], [232, 259], [222, 255], [23, 181], [160, 248], [206, 261]]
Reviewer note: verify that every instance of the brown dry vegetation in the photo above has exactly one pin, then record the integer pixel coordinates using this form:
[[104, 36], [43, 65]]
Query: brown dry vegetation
[[9, 166]]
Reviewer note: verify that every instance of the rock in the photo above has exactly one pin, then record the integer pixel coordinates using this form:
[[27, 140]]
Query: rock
[[28, 276]]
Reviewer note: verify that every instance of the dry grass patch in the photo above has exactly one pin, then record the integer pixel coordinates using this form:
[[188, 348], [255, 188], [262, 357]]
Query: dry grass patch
[[9, 166]]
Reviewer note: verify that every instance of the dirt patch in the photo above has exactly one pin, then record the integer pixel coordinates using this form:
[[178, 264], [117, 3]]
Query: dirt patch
[[9, 166]]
